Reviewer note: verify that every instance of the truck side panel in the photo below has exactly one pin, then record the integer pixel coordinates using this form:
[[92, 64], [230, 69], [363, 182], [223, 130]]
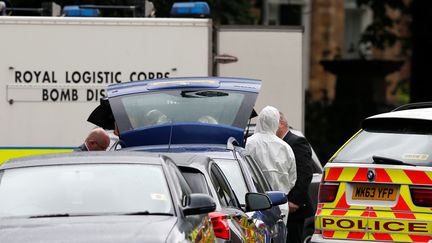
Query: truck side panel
[[54, 70], [272, 55]]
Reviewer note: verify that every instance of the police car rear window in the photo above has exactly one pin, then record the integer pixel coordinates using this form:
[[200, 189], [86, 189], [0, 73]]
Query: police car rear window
[[399, 140], [398, 125]]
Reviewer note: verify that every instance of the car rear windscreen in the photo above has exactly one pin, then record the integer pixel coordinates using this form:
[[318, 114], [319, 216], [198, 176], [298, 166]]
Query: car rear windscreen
[[392, 141]]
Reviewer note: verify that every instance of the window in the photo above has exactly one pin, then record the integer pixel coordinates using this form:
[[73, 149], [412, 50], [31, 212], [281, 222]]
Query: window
[[409, 148], [92, 189], [234, 174], [290, 14], [356, 21], [223, 190], [182, 187], [196, 180], [257, 176], [202, 106]]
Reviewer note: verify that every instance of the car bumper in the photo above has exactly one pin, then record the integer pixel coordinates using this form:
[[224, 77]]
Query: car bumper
[[317, 238]]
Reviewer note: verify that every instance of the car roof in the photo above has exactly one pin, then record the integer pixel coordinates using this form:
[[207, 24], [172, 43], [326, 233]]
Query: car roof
[[178, 148], [227, 154], [196, 160], [420, 114], [103, 157], [215, 151]]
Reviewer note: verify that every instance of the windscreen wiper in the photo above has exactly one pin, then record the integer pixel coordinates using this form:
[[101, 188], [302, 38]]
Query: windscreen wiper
[[388, 161], [202, 94], [148, 213], [56, 215], [59, 215]]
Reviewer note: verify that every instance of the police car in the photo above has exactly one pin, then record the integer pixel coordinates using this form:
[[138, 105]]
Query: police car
[[378, 185]]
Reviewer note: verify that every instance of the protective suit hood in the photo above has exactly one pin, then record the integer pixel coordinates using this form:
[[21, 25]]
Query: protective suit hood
[[268, 120]]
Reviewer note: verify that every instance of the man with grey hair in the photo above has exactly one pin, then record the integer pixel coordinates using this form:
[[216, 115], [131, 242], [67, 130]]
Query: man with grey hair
[[97, 140]]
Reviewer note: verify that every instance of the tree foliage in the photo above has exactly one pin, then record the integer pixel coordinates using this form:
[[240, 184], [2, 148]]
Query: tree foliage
[[380, 32]]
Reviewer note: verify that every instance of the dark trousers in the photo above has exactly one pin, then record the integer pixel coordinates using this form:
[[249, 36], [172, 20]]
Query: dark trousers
[[295, 230]]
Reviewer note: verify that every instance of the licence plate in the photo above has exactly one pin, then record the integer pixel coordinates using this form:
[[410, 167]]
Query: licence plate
[[375, 192]]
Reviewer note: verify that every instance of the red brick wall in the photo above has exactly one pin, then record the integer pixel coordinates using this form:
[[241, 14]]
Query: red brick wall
[[327, 39]]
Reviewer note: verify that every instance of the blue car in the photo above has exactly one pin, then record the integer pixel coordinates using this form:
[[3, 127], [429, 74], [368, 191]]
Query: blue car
[[201, 115]]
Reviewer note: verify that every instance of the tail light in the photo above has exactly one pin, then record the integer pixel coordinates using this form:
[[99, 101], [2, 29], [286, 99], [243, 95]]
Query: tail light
[[220, 225], [421, 196], [327, 192]]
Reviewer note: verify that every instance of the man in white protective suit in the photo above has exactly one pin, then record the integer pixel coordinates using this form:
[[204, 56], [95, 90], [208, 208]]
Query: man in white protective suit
[[273, 155]]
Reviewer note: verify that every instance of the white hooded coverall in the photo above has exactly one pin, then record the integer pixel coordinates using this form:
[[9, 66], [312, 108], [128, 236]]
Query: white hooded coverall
[[273, 155]]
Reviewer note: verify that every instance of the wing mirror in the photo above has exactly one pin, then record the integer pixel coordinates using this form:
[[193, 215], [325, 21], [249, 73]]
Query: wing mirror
[[277, 197], [257, 201], [199, 203]]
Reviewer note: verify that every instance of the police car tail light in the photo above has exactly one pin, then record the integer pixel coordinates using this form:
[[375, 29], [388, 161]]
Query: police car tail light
[[327, 192], [421, 196], [220, 225]]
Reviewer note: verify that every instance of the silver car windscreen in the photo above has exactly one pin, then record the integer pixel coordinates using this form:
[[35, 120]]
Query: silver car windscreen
[[96, 189]]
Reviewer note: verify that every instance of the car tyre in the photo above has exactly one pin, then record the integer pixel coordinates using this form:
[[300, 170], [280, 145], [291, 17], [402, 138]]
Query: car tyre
[[307, 236]]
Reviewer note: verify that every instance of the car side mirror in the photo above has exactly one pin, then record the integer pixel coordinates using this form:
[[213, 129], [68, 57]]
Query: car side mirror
[[257, 201], [199, 203], [277, 197]]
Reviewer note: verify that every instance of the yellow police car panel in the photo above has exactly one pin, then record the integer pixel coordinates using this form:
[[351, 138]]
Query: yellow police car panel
[[378, 186], [7, 153]]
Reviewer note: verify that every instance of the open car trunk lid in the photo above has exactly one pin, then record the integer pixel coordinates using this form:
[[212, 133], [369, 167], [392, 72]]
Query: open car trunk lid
[[205, 110]]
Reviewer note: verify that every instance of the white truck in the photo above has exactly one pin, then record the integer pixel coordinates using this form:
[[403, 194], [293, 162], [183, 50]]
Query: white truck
[[273, 55], [53, 70]]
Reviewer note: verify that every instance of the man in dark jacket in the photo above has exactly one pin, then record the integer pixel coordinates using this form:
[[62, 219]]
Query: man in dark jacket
[[299, 201]]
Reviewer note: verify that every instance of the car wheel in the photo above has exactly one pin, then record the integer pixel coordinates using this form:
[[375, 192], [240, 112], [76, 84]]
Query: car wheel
[[307, 239], [307, 235]]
